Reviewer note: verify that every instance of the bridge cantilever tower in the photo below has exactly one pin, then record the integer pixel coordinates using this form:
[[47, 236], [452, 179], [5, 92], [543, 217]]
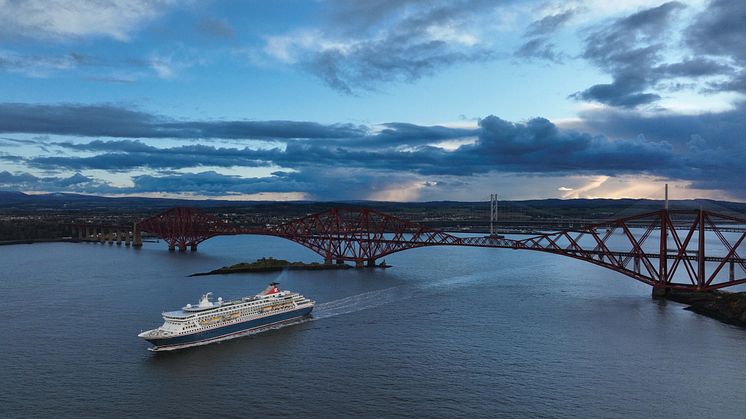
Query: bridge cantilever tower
[[184, 227], [665, 249]]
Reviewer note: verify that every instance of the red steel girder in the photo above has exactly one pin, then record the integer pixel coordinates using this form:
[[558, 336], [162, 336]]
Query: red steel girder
[[362, 234]]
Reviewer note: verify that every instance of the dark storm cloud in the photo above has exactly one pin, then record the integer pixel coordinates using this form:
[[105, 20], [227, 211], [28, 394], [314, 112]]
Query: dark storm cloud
[[324, 184], [536, 146], [721, 128], [27, 181], [404, 134], [114, 121], [705, 149], [125, 155], [710, 147]]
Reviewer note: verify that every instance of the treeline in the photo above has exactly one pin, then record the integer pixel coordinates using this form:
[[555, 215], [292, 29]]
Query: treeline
[[32, 229]]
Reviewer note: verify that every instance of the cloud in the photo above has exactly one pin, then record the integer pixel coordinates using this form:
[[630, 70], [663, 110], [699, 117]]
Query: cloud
[[628, 49], [719, 32], [58, 19], [710, 147], [217, 28], [644, 56], [29, 182], [550, 23], [364, 44], [540, 48], [706, 150], [536, 146], [115, 121], [37, 65]]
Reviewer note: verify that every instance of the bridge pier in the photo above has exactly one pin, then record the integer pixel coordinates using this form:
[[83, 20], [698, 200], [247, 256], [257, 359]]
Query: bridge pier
[[137, 237], [171, 247], [127, 238], [119, 237], [193, 247], [182, 247], [340, 262], [327, 261], [359, 264], [101, 236], [371, 263], [659, 292]]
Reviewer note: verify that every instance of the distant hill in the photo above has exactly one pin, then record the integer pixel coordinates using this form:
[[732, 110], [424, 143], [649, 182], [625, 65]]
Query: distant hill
[[13, 200]]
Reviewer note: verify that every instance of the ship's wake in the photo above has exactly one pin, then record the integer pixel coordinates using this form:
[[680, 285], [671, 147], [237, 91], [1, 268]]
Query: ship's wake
[[359, 302], [363, 301], [377, 298]]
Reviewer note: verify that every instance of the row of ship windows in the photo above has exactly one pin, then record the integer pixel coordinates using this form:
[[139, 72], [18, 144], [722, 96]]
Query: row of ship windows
[[192, 326], [246, 312]]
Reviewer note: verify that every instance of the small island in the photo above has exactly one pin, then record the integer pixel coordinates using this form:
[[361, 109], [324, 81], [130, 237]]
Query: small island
[[273, 265], [724, 306]]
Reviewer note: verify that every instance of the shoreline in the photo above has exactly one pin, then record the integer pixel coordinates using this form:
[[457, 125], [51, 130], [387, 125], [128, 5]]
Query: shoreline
[[274, 265], [723, 306], [32, 241]]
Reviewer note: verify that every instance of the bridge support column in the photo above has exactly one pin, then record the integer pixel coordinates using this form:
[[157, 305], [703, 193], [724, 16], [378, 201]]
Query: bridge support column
[[659, 291], [136, 236], [340, 261], [87, 233], [119, 237], [328, 261], [101, 236], [182, 247], [110, 237], [371, 263], [171, 247], [127, 238], [80, 233], [193, 247], [359, 264], [637, 264]]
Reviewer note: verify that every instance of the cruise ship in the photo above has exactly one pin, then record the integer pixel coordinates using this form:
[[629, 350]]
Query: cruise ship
[[213, 321]]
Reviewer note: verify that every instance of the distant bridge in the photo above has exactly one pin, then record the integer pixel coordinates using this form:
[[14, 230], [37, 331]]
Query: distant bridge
[[665, 249]]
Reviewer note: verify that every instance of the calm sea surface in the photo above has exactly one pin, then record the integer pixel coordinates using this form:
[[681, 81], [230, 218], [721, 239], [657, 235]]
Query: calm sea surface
[[446, 332]]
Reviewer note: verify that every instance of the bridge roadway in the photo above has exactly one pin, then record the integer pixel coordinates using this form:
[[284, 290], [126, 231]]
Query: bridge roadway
[[499, 243]]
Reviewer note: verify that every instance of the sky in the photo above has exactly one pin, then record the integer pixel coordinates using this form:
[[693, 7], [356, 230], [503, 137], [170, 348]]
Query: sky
[[395, 100]]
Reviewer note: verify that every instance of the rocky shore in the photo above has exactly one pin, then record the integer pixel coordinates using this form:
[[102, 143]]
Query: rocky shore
[[272, 265], [724, 306]]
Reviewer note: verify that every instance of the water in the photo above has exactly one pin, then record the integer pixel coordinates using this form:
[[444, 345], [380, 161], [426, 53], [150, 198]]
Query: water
[[457, 332]]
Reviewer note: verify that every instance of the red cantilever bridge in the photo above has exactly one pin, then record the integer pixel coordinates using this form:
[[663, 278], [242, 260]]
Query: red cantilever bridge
[[665, 249]]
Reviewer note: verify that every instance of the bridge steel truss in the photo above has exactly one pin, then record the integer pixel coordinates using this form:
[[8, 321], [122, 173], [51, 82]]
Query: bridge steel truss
[[666, 249]]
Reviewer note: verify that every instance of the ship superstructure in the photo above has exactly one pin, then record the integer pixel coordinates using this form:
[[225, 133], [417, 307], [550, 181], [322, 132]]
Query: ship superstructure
[[212, 321]]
